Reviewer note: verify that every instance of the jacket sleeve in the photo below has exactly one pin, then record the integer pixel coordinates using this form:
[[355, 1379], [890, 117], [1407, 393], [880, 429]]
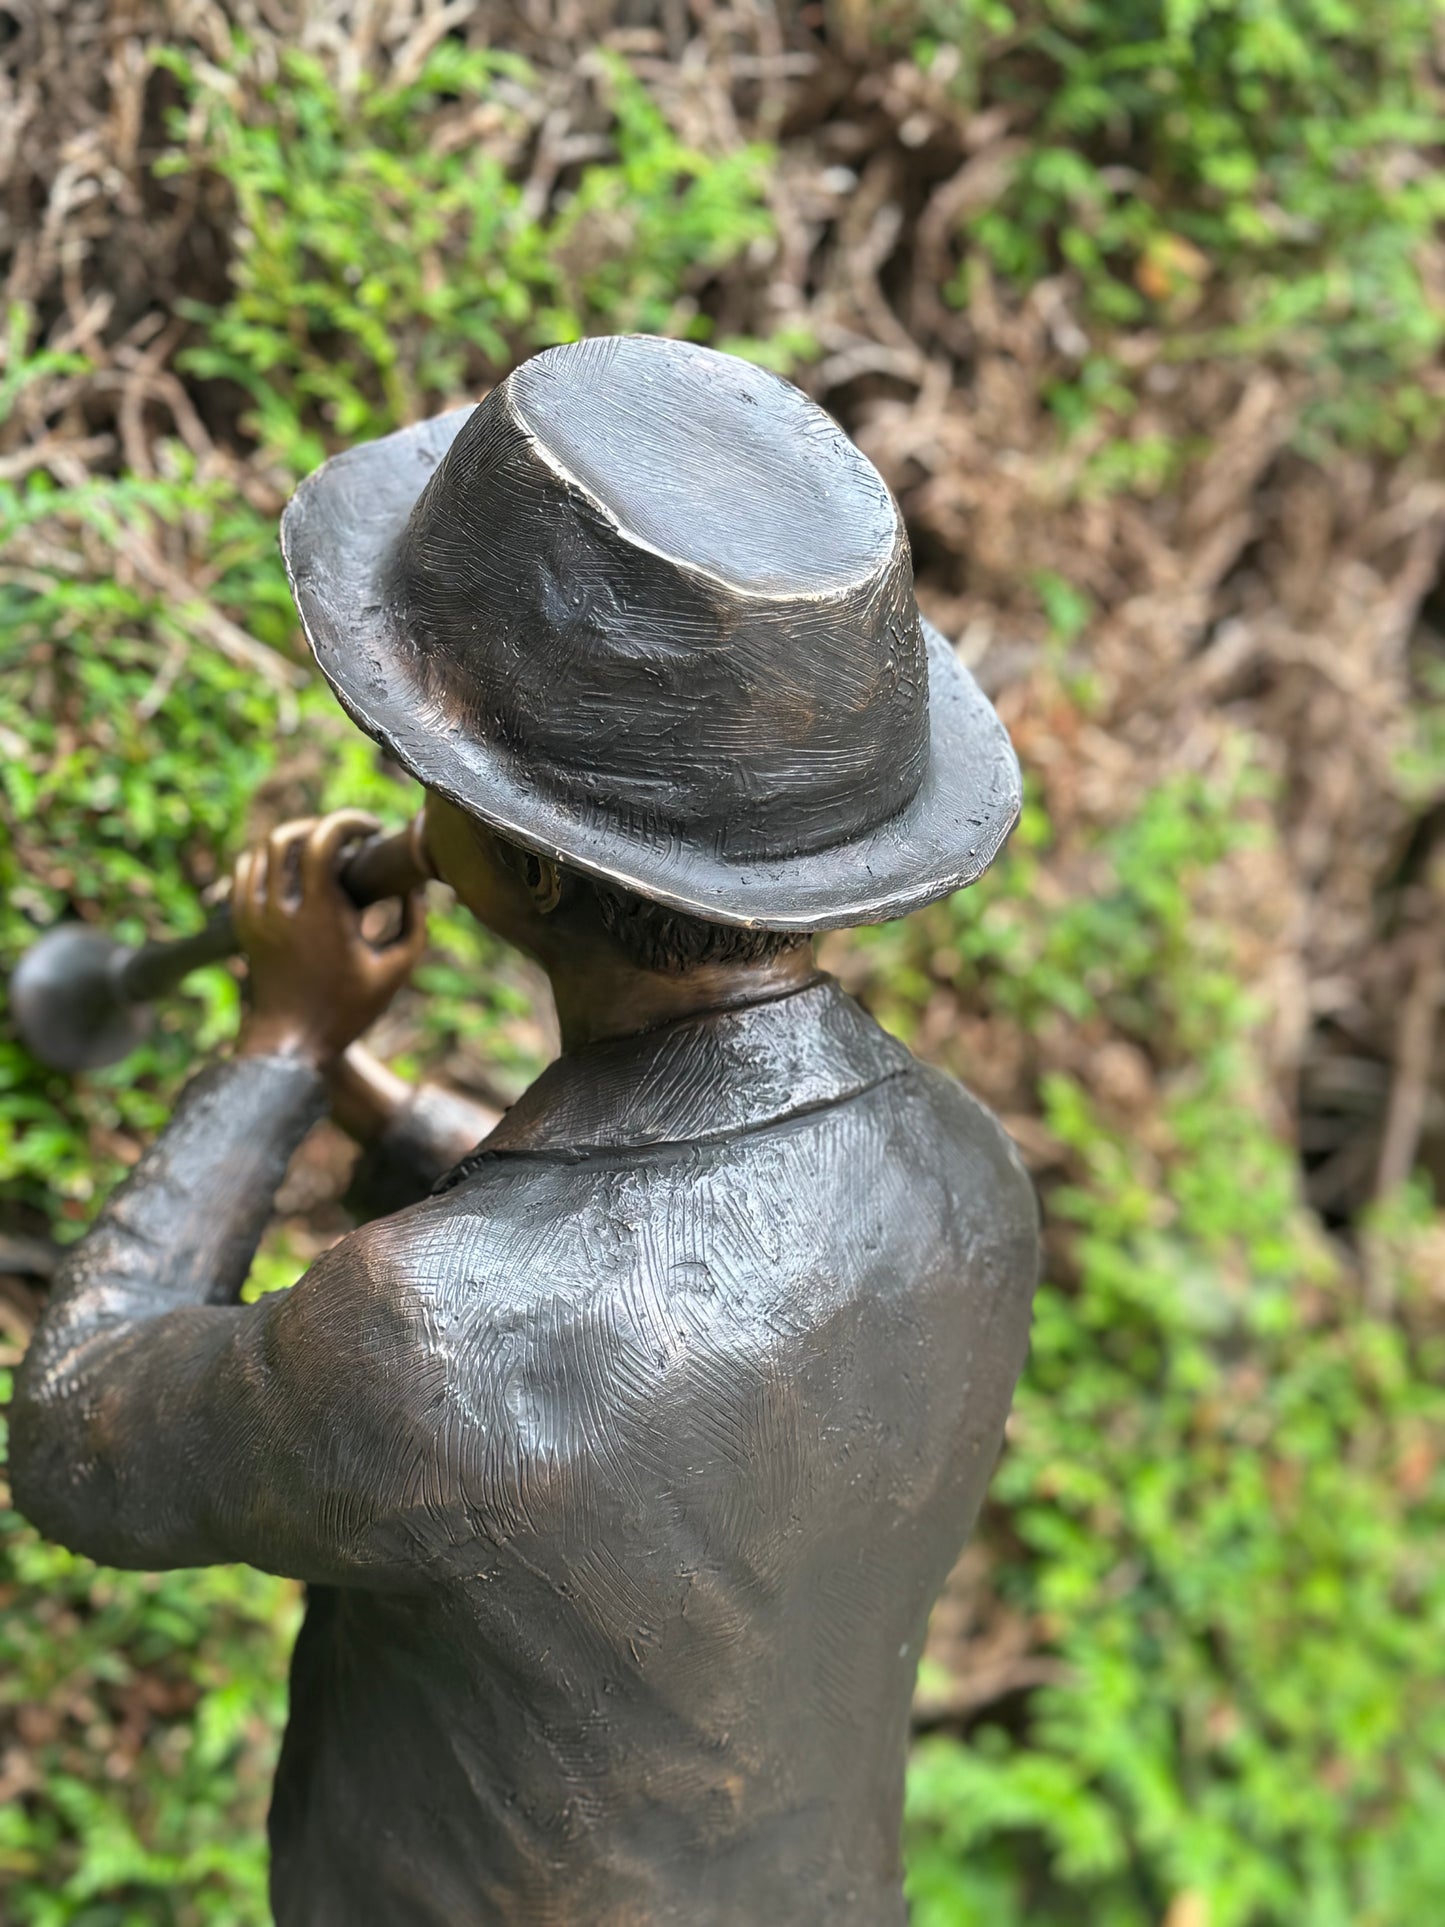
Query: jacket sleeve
[[435, 1131], [158, 1423]]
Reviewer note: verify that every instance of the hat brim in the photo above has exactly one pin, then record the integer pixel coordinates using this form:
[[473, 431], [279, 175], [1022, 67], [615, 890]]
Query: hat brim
[[338, 536]]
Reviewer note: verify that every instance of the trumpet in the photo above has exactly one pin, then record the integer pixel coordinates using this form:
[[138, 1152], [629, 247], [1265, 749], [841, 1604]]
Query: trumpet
[[81, 1000]]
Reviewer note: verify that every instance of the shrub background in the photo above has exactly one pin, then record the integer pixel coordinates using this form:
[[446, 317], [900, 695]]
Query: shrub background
[[1139, 307]]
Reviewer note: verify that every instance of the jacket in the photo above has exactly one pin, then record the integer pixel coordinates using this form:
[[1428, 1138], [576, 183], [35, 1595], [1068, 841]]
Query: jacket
[[623, 1470]]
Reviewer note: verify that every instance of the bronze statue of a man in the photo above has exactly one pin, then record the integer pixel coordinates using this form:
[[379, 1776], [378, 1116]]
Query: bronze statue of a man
[[624, 1462]]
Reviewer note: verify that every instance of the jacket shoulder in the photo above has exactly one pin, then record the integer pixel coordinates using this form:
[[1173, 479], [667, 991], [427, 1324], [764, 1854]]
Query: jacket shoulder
[[978, 1160]]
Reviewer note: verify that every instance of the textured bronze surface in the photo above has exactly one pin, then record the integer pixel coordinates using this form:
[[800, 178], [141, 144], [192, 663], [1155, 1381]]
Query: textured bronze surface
[[624, 1467], [649, 610], [624, 1471], [79, 998]]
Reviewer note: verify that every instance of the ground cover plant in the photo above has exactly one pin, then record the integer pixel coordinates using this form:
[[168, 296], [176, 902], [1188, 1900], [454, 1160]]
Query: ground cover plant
[[1139, 309]]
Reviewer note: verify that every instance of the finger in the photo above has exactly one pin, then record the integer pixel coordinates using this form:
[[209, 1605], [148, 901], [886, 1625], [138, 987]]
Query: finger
[[254, 888], [326, 840], [384, 926], [248, 893], [283, 884], [410, 940], [387, 965], [241, 893]]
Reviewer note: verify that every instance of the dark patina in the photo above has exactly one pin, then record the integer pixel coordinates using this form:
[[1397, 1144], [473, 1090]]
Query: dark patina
[[624, 1467]]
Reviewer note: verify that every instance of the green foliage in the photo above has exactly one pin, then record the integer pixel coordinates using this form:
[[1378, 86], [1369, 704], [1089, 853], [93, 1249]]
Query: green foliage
[[376, 274], [1265, 171], [150, 1706], [130, 749], [380, 273], [1222, 1491], [1420, 762], [1221, 1506], [377, 277]]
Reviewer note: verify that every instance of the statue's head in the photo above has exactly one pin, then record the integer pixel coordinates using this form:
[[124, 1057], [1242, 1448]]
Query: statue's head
[[557, 914], [643, 623]]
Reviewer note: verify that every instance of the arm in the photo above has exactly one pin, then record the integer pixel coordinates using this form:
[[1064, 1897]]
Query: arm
[[412, 1134], [156, 1422], [271, 1433]]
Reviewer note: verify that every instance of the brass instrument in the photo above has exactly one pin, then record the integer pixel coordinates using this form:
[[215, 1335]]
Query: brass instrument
[[80, 999]]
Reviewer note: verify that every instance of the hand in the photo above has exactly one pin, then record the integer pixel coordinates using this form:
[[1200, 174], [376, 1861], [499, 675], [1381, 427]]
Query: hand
[[316, 981]]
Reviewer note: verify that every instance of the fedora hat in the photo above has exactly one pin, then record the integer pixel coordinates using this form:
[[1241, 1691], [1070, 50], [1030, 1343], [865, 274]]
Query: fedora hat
[[646, 609]]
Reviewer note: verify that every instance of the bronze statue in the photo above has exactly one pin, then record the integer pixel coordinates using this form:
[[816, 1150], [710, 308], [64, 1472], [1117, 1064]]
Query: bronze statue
[[624, 1467]]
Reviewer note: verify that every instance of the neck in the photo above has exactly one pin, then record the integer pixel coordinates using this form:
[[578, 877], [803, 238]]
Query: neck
[[600, 995]]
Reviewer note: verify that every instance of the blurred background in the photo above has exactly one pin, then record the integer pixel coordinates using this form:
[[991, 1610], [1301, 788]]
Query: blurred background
[[1138, 306]]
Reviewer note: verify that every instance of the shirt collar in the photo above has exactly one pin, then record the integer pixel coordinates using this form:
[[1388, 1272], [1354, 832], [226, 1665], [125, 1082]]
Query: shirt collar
[[701, 1078]]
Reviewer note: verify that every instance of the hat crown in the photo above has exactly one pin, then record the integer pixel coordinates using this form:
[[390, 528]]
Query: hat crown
[[666, 586], [711, 462]]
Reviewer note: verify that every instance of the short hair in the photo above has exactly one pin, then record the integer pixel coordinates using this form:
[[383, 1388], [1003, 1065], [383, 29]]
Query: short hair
[[658, 938], [649, 934]]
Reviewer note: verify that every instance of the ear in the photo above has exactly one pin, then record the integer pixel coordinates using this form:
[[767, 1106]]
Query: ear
[[543, 880]]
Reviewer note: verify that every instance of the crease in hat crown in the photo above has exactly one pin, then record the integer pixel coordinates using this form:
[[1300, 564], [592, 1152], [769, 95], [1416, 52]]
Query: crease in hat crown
[[569, 477], [647, 609]]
